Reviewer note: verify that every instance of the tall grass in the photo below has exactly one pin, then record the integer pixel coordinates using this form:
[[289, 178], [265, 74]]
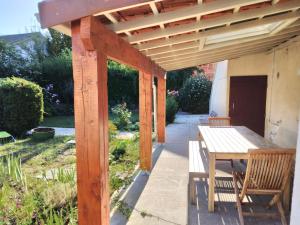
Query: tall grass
[[11, 167]]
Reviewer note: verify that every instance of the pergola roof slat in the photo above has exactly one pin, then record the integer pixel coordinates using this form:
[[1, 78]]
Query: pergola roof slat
[[196, 36], [214, 22], [172, 32], [181, 14]]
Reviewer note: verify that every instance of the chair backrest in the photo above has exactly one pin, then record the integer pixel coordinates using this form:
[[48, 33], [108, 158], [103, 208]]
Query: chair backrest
[[268, 170], [219, 121]]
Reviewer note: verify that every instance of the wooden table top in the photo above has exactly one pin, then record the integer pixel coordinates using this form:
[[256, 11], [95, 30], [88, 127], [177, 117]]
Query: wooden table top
[[233, 139]]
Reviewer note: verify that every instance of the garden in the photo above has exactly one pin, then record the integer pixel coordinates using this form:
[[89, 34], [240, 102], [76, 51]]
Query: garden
[[38, 175]]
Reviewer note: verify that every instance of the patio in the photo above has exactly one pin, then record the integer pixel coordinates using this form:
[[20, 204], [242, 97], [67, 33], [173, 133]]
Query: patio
[[162, 197], [159, 36]]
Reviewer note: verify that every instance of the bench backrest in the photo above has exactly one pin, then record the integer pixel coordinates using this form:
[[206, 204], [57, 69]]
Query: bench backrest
[[219, 121]]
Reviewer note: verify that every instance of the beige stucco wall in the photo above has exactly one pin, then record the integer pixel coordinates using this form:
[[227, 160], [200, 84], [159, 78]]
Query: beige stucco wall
[[282, 66], [218, 96]]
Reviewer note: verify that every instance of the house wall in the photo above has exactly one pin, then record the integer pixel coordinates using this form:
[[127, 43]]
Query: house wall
[[282, 67], [295, 212], [219, 90]]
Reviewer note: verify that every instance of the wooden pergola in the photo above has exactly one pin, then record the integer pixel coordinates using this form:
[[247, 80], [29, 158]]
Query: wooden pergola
[[152, 36]]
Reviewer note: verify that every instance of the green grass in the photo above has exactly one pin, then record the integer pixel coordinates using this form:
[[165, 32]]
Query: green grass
[[59, 121], [43, 198], [68, 121]]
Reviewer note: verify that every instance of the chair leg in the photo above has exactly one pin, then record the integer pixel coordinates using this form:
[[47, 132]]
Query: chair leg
[[274, 200], [281, 212], [238, 200], [231, 161]]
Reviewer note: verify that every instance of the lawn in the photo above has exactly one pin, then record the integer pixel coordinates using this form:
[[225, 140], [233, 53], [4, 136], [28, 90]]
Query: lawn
[[38, 180], [59, 121], [68, 121]]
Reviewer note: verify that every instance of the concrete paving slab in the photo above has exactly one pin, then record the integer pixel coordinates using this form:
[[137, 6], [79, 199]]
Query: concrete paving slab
[[164, 197]]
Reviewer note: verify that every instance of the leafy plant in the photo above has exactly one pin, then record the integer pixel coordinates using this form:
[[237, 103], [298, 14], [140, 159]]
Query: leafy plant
[[194, 95], [112, 130], [171, 108], [122, 116], [64, 175], [21, 105], [119, 151], [10, 167]]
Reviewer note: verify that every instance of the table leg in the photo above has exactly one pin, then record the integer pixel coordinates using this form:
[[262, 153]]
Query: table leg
[[211, 192]]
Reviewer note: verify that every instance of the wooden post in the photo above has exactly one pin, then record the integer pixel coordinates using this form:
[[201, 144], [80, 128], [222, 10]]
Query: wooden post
[[145, 111], [161, 109], [91, 123]]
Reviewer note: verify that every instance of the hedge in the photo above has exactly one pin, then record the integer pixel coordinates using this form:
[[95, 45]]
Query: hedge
[[194, 95], [21, 105], [171, 109]]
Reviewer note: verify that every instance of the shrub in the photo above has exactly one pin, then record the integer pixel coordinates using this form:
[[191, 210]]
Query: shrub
[[194, 95], [21, 105], [122, 84], [112, 130], [122, 116], [119, 151], [171, 109]]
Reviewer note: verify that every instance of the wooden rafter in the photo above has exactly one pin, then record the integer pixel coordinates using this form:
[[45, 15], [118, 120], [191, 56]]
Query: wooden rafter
[[215, 59], [180, 14], [215, 22], [218, 47], [193, 47], [218, 53], [210, 52], [223, 30]]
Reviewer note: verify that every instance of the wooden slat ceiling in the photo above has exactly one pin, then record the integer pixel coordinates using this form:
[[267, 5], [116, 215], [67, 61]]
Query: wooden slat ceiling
[[184, 33]]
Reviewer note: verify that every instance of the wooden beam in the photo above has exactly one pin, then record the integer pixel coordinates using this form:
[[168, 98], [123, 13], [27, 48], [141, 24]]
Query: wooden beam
[[180, 14], [54, 12], [223, 30], [115, 47], [145, 113], [228, 49], [91, 123], [161, 109], [216, 59], [193, 48], [221, 53], [114, 20], [214, 22], [283, 25]]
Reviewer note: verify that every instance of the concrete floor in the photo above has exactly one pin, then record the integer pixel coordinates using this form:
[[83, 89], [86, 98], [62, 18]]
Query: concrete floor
[[162, 197]]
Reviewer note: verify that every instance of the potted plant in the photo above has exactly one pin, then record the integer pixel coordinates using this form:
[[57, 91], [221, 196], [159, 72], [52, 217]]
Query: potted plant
[[42, 133]]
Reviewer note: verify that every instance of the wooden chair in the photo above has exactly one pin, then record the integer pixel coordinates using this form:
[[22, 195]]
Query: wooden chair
[[220, 122], [268, 172]]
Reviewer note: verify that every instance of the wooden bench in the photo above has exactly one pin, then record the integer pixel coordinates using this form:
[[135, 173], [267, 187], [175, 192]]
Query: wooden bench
[[198, 166]]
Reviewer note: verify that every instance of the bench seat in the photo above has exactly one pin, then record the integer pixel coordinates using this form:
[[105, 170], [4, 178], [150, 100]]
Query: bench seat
[[198, 166]]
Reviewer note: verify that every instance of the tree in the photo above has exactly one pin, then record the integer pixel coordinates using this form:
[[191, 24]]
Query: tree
[[11, 61], [176, 79], [57, 43]]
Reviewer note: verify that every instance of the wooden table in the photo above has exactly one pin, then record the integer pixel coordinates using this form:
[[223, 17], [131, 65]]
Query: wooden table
[[228, 143]]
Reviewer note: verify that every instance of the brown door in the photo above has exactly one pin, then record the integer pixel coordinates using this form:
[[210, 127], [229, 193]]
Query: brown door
[[247, 102]]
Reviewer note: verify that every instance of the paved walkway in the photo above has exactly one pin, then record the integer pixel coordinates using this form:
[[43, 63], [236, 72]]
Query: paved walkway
[[164, 198]]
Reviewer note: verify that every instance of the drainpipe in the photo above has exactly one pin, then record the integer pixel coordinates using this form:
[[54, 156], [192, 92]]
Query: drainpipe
[[154, 108]]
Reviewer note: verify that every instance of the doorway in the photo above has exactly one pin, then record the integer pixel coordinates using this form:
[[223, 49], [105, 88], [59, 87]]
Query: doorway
[[247, 102]]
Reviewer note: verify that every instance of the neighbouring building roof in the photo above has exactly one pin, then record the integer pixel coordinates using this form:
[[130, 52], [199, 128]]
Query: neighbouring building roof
[[209, 70], [21, 38]]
